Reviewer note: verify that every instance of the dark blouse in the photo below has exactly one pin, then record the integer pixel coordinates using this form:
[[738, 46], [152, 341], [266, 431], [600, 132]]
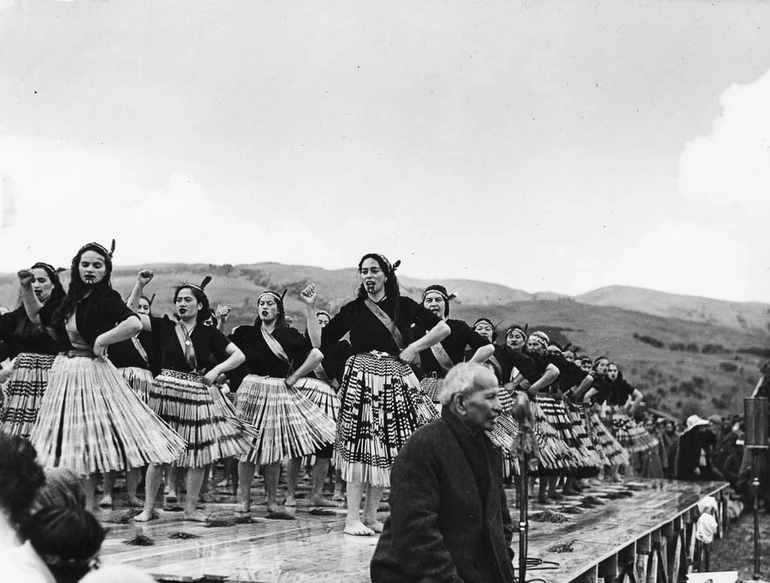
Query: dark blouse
[[124, 354], [570, 374], [620, 391], [368, 333], [603, 387], [542, 361], [19, 334], [461, 336], [95, 314], [208, 342], [508, 360], [260, 360]]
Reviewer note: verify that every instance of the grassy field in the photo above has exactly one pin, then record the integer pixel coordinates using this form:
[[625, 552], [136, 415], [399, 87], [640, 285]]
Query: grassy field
[[735, 552]]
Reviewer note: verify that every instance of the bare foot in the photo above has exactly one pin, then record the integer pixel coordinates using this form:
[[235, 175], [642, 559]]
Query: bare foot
[[273, 508], [145, 516], [171, 497], [375, 525], [243, 508], [195, 516], [290, 501], [106, 501], [323, 502], [338, 496], [357, 528], [134, 502]]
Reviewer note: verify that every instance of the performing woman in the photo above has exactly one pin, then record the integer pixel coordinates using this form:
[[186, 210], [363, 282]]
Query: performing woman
[[442, 356], [90, 420], [571, 430], [382, 401], [135, 358], [620, 400], [31, 347], [192, 356], [277, 398]]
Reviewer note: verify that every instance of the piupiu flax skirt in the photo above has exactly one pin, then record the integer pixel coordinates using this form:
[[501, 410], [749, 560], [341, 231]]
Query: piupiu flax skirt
[[633, 437], [202, 415], [571, 432], [139, 379], [91, 421], [322, 395], [613, 454], [382, 405], [555, 454], [290, 424], [432, 387], [24, 392]]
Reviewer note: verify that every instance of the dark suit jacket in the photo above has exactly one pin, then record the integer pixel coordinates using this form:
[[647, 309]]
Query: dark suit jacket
[[449, 517]]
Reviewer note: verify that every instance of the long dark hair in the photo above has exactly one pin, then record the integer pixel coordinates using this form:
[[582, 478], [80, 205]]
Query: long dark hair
[[78, 288], [67, 539], [20, 478], [392, 289], [200, 296]]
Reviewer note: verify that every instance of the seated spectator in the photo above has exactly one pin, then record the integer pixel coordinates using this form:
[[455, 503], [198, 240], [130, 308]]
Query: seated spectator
[[20, 479], [67, 539]]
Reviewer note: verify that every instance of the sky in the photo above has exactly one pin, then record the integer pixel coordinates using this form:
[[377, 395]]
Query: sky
[[546, 145]]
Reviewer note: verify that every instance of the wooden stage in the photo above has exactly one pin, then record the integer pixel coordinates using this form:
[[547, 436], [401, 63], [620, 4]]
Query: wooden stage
[[637, 519]]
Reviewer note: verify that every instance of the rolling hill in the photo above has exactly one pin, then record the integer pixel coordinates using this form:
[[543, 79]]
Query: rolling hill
[[686, 354]]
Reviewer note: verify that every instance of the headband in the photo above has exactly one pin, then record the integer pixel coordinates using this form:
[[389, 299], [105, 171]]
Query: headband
[[324, 312], [541, 337], [200, 288], [487, 320], [275, 295], [102, 249], [383, 259], [441, 290], [518, 328]]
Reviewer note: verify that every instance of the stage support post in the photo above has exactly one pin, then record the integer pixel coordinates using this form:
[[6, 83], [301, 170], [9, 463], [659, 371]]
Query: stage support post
[[756, 415]]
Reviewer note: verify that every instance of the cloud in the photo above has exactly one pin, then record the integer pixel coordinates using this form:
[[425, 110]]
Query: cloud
[[685, 258], [62, 196], [732, 163]]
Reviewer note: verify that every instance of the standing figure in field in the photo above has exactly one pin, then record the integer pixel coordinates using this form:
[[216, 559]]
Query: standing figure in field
[[441, 357], [90, 420], [192, 356], [31, 347], [275, 395], [382, 402]]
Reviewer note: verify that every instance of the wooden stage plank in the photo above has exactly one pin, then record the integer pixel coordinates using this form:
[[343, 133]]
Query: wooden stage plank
[[314, 548]]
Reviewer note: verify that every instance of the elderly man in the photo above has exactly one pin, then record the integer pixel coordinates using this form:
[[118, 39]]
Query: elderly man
[[449, 516]]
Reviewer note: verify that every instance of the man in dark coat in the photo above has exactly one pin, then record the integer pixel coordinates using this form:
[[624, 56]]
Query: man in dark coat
[[449, 517]]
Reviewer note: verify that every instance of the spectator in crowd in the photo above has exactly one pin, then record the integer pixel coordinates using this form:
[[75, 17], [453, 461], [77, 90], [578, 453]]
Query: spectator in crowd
[[20, 479]]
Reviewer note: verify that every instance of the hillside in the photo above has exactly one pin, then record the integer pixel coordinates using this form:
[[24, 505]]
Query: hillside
[[750, 316], [683, 359]]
